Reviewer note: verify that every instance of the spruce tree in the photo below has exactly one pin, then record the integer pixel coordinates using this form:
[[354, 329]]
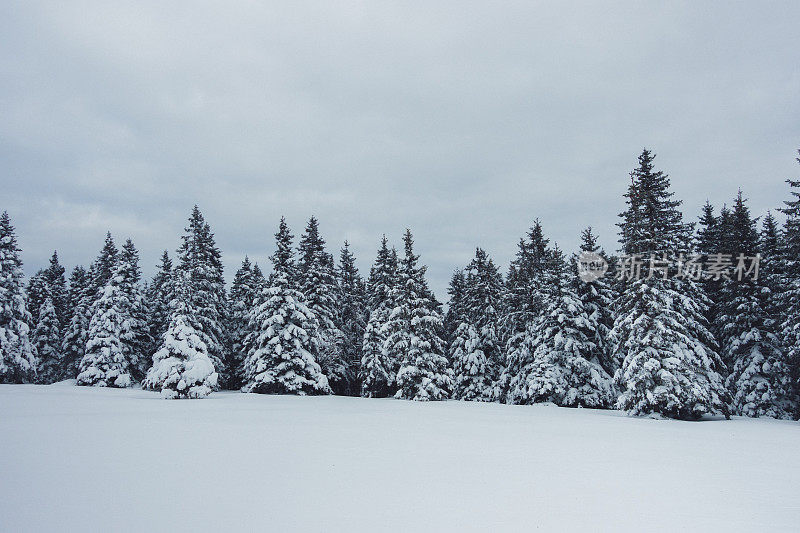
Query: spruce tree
[[476, 350], [669, 363], [414, 334], [284, 256], [710, 241], [771, 271], [523, 303], [483, 300], [47, 340], [103, 266], [159, 295], [561, 363], [258, 275], [104, 363], [57, 287], [17, 354], [378, 371], [317, 282], [455, 308], [523, 296], [759, 380], [35, 294], [281, 343], [182, 367], [707, 239], [135, 336], [597, 298], [652, 223], [351, 316], [73, 345], [200, 264], [242, 297], [790, 295], [471, 368]]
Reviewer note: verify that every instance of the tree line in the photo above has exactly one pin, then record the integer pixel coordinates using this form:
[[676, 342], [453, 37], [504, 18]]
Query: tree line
[[674, 345]]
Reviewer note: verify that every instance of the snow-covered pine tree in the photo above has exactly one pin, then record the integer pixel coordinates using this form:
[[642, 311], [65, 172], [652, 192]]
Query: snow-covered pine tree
[[669, 363], [284, 255], [652, 222], [17, 354], [709, 241], [790, 295], [182, 367], [104, 363], [47, 340], [562, 364], [707, 238], [241, 300], [258, 275], [759, 381], [476, 351], [523, 296], [135, 336], [200, 262], [351, 316], [317, 281], [523, 303], [57, 287], [771, 269], [377, 372], [455, 310], [103, 266], [78, 280], [281, 343], [597, 298], [471, 367], [73, 345], [35, 293], [483, 300], [159, 296], [413, 334]]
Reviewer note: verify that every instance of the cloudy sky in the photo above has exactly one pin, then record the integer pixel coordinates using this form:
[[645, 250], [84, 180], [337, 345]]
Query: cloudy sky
[[463, 121]]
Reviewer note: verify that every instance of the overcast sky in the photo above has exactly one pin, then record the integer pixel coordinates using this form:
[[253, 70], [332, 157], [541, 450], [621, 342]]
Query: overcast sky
[[463, 121]]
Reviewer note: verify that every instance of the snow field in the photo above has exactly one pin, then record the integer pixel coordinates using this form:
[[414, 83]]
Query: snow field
[[95, 459]]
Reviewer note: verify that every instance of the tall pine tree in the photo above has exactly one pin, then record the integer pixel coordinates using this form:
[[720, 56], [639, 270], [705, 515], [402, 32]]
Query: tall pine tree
[[597, 298], [790, 295], [378, 370], [476, 349], [317, 282], [283, 330], [57, 286], [351, 316], [669, 363], [105, 363], [200, 264], [759, 380], [135, 337], [561, 363], [523, 303], [242, 298], [76, 332], [47, 340], [414, 328], [182, 367], [160, 294], [103, 266], [17, 355]]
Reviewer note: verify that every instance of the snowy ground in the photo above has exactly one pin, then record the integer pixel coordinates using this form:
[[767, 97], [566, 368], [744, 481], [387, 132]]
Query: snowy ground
[[74, 458]]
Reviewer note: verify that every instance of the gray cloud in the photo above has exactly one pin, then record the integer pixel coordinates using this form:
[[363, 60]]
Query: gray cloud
[[461, 121]]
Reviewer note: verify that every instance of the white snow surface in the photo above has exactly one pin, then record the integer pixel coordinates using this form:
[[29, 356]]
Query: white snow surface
[[92, 459]]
